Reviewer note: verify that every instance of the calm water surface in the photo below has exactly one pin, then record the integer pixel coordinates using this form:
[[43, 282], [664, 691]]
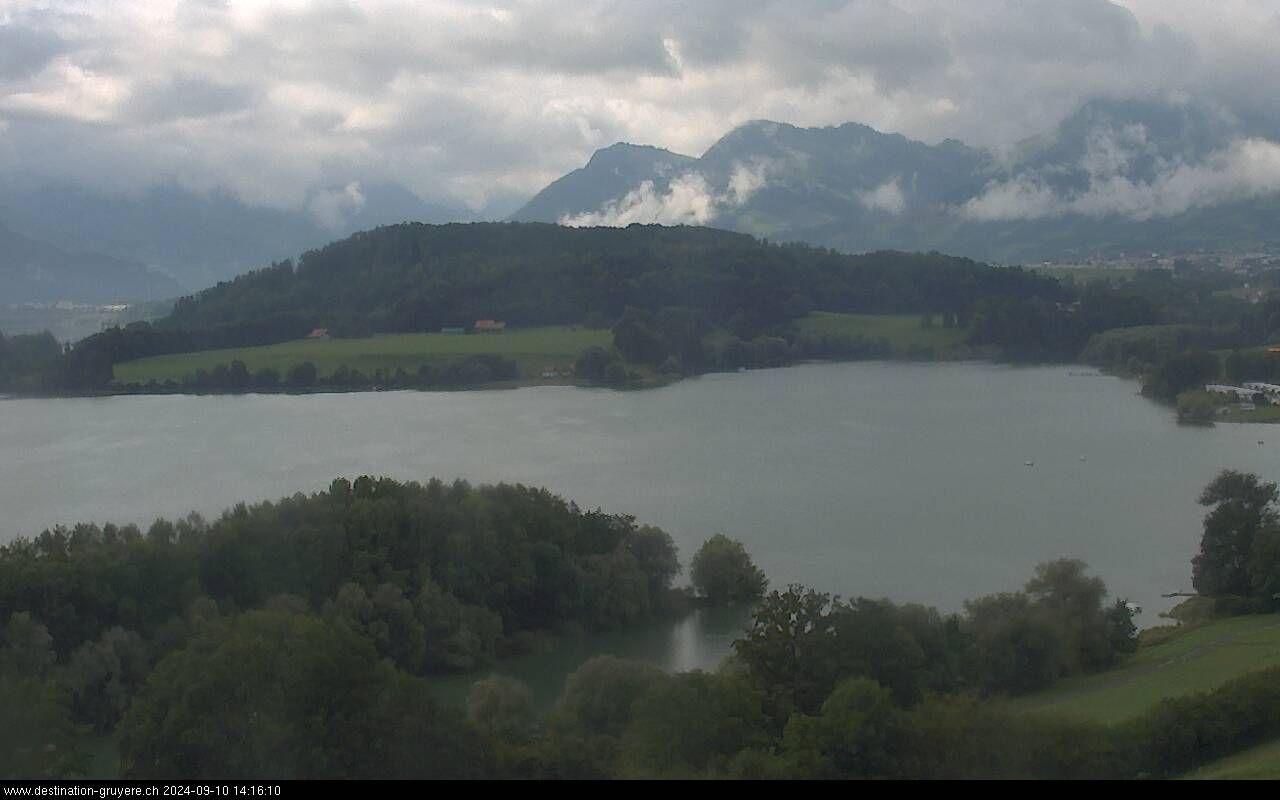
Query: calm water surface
[[880, 479]]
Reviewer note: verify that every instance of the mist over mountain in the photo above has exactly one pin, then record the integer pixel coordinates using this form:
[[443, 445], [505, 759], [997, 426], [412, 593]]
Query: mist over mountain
[[1114, 177], [199, 238], [32, 271]]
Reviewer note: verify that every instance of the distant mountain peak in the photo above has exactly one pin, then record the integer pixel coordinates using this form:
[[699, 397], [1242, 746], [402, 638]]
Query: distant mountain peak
[[1115, 175]]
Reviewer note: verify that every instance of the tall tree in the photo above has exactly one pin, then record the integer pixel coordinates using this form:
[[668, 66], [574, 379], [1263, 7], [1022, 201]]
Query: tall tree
[[1242, 508]]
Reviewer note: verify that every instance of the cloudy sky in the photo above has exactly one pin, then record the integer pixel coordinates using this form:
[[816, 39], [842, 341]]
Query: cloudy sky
[[480, 101]]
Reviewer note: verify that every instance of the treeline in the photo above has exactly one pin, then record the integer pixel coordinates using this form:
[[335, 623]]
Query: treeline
[[277, 608], [421, 278], [284, 693], [1176, 354], [236, 377], [318, 617], [416, 277], [430, 578], [480, 567], [29, 362], [680, 300]]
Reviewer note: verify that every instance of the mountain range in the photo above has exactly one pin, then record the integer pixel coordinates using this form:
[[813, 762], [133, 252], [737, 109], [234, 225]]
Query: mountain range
[[32, 271], [184, 240], [1116, 177]]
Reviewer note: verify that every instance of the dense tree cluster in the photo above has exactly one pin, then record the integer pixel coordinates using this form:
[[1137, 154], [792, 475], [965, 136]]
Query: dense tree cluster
[[803, 643], [277, 693], [439, 577], [29, 363], [417, 277], [291, 639], [722, 571], [236, 377], [1239, 559]]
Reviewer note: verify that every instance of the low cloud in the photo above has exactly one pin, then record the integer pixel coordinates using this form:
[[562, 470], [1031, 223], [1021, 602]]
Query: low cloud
[[688, 200], [887, 197], [273, 101], [332, 207], [1246, 169]]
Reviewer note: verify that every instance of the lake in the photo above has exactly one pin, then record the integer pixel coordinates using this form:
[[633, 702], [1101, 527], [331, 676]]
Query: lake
[[908, 481]]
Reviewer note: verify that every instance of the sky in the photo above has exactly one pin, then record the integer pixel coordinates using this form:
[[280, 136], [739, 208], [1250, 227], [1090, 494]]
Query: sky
[[484, 102]]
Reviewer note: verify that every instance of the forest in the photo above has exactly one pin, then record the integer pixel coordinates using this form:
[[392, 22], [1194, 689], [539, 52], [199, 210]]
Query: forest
[[678, 301], [421, 278], [322, 618]]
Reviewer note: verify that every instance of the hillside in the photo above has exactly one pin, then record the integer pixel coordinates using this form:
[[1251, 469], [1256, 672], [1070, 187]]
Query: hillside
[[416, 277], [1197, 660], [1115, 177]]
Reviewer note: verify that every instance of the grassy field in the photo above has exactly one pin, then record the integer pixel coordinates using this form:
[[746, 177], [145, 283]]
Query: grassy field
[[903, 331], [534, 349], [1084, 274], [1257, 763], [1198, 660], [1262, 413]]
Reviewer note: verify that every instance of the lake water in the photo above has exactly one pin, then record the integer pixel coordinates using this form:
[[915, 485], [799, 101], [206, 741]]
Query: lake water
[[907, 481]]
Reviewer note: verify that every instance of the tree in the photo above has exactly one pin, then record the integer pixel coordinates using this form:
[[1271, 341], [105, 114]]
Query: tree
[[852, 736], [693, 723], [790, 650], [1185, 371], [1017, 647], [636, 336], [103, 676], [302, 375], [1235, 558], [599, 697], [655, 552], [276, 694], [724, 573], [593, 362], [501, 708], [26, 648], [38, 739]]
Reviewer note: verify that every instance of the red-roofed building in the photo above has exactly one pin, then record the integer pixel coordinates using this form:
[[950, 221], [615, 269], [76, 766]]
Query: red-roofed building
[[490, 326]]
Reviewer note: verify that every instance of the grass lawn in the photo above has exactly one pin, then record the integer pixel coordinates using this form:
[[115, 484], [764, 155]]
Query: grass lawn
[[534, 349], [1085, 275], [1262, 413], [1257, 763], [1198, 660], [903, 331]]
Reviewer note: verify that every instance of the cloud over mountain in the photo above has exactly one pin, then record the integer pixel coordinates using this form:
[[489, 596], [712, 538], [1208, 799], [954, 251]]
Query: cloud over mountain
[[458, 100], [687, 200]]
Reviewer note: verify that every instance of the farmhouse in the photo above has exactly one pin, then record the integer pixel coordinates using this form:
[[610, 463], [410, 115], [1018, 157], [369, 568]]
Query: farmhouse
[[319, 333], [490, 326]]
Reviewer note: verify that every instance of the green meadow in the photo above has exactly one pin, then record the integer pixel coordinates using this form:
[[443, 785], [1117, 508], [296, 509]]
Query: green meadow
[[904, 332], [534, 349], [1197, 660]]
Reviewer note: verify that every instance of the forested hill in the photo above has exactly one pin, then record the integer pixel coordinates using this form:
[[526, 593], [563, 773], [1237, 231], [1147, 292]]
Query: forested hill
[[416, 277]]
